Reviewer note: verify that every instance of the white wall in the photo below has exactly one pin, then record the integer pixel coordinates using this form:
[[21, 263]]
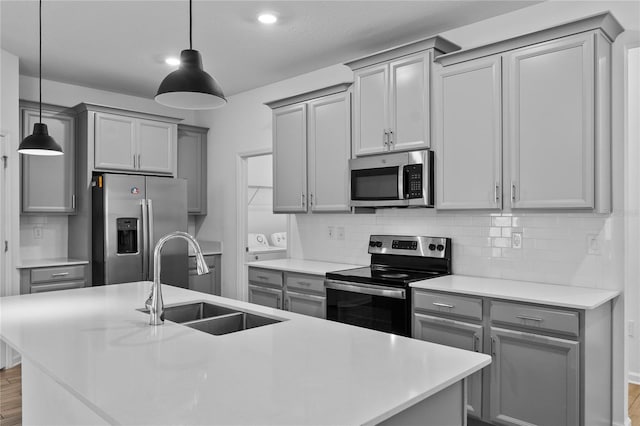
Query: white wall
[[633, 210], [243, 126], [54, 241], [554, 245], [9, 215]]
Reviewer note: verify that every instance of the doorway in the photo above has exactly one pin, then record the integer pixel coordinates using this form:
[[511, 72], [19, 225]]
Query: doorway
[[261, 235], [266, 231]]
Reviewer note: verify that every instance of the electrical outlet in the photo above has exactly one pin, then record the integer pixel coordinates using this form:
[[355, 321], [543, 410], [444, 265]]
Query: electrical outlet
[[593, 244], [331, 233], [516, 240], [340, 232], [37, 232], [631, 328]]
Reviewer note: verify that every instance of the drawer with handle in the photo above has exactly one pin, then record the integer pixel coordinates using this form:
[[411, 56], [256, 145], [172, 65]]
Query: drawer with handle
[[265, 276], [535, 317], [58, 273], [39, 288], [448, 304], [304, 282]]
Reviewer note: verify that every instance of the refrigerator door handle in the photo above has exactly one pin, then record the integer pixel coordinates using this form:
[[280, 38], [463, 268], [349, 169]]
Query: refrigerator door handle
[[145, 240], [150, 239]]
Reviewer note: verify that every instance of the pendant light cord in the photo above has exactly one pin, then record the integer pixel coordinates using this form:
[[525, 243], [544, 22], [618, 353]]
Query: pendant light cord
[[40, 57], [190, 27]]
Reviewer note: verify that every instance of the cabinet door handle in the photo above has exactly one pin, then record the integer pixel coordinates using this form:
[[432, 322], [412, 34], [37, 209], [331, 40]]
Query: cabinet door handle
[[525, 317], [134, 162], [513, 192], [262, 277], [493, 346], [497, 193], [304, 283], [476, 343], [443, 305], [139, 163], [59, 274], [286, 304], [73, 201]]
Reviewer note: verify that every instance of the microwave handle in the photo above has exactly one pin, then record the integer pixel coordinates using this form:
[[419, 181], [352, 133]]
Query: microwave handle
[[401, 182]]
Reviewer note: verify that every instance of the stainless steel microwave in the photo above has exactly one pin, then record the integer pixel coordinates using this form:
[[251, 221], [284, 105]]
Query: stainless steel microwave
[[403, 179]]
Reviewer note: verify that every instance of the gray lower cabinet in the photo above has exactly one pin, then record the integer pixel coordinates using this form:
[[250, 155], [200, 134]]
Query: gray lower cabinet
[[48, 182], [192, 166], [37, 280], [457, 334], [534, 379], [290, 291], [208, 283], [550, 365]]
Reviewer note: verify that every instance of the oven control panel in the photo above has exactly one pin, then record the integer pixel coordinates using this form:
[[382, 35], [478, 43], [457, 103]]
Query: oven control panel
[[410, 245]]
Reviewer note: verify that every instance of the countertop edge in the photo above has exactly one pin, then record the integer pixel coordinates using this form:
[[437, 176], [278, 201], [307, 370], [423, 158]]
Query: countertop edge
[[603, 297], [51, 262]]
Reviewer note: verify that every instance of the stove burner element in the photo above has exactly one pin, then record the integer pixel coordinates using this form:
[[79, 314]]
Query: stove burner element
[[394, 275]]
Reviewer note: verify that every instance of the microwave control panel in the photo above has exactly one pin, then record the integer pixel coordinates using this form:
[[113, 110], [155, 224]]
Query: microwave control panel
[[413, 181]]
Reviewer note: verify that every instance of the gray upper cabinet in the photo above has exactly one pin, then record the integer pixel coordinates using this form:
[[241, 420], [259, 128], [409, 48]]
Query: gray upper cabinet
[[391, 110], [192, 166], [311, 151], [469, 156], [129, 141], [48, 182], [290, 159], [551, 117], [547, 96]]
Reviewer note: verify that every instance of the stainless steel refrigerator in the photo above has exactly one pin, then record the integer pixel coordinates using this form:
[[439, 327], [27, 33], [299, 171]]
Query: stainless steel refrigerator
[[130, 214]]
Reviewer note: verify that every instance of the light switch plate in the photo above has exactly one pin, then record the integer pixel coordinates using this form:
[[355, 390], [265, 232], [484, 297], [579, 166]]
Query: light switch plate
[[593, 244], [516, 240]]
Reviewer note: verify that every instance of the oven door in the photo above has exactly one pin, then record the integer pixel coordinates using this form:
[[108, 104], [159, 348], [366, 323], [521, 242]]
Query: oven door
[[376, 307]]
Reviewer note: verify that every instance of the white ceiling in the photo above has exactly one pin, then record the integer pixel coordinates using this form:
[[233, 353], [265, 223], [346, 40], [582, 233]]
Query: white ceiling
[[120, 46]]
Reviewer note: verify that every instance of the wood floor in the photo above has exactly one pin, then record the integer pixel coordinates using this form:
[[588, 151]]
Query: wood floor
[[11, 396], [11, 399]]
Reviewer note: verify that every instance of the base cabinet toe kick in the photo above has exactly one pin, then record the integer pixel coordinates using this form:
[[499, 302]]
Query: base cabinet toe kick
[[547, 361]]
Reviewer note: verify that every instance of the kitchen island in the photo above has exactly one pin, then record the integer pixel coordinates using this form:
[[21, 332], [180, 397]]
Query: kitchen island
[[89, 356]]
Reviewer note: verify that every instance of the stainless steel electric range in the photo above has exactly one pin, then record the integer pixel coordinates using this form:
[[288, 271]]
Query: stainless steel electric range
[[378, 296]]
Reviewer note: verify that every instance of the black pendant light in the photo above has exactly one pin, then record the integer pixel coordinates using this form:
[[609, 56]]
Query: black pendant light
[[39, 142], [190, 87]]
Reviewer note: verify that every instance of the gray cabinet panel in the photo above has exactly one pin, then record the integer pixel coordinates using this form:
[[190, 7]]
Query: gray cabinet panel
[[192, 166], [534, 379], [306, 304], [48, 182], [207, 283], [458, 335], [265, 296]]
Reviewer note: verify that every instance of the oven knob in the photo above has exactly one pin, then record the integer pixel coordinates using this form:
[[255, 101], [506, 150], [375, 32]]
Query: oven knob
[[372, 243], [440, 247], [378, 243], [432, 247]]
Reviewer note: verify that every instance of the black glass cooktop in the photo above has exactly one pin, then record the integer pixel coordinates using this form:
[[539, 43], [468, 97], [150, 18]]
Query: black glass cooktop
[[382, 275]]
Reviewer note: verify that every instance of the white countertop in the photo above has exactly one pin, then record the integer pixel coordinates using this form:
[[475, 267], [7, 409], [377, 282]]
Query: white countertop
[[45, 263], [301, 371], [313, 267], [521, 291]]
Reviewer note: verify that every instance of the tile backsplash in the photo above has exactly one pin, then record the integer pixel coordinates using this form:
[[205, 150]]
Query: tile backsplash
[[43, 237], [569, 249]]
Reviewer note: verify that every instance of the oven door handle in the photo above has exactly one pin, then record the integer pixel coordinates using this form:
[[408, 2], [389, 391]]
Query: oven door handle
[[396, 293]]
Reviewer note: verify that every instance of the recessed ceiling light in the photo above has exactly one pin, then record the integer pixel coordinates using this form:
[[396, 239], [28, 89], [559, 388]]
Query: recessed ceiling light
[[267, 18], [172, 61]]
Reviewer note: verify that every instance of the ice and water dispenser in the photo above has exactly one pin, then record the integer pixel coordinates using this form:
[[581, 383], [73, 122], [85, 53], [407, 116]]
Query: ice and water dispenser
[[127, 235]]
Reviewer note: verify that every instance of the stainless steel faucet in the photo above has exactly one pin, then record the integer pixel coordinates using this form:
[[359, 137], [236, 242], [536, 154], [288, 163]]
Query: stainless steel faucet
[[154, 303]]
